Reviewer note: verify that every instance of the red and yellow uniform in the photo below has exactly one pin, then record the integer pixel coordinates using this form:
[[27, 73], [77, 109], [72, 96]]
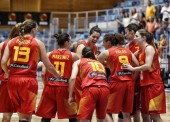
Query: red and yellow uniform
[[133, 48], [22, 84], [121, 81], [152, 88], [5, 104], [95, 89], [55, 94], [77, 88]]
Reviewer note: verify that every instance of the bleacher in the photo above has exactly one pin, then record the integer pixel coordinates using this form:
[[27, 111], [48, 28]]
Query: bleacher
[[105, 19], [3, 35], [130, 3], [108, 16]]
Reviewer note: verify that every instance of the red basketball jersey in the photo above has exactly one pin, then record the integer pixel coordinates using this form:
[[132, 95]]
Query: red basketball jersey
[[118, 56], [62, 61], [92, 73], [151, 76], [133, 47], [24, 57]]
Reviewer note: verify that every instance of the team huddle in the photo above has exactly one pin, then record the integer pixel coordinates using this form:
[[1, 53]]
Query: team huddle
[[122, 79]]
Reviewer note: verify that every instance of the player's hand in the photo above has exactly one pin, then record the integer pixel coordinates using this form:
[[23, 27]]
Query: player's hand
[[127, 66], [70, 100], [136, 53], [6, 75], [58, 74]]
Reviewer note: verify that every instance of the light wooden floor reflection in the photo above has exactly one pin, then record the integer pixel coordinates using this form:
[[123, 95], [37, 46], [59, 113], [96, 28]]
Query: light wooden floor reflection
[[165, 117]]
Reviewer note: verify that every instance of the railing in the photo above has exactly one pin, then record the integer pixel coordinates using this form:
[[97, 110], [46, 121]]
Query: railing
[[81, 21]]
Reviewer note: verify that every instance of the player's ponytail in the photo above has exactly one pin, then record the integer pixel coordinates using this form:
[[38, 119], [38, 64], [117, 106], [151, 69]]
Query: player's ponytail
[[87, 52]]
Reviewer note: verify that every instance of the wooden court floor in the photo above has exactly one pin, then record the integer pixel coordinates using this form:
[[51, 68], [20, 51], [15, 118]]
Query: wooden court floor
[[165, 117]]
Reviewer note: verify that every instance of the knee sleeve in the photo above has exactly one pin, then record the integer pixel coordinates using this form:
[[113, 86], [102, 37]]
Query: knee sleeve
[[45, 119], [72, 120], [120, 115]]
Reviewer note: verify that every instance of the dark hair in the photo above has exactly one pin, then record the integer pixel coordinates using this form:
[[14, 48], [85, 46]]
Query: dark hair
[[108, 37], [149, 36], [134, 11], [95, 29], [87, 52], [133, 27], [15, 31], [62, 38], [142, 24], [166, 1], [115, 39]]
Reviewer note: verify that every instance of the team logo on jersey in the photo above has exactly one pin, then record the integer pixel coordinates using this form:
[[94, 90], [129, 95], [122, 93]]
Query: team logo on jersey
[[54, 79], [121, 73], [22, 66], [93, 74]]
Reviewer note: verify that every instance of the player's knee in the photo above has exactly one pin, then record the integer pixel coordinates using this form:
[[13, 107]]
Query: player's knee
[[6, 119], [45, 119]]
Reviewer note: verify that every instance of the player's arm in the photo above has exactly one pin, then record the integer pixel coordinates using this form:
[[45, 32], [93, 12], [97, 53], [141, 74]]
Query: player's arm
[[149, 52], [75, 56], [136, 63], [79, 50], [46, 61], [72, 80], [40, 64], [43, 73], [103, 57], [134, 60], [5, 59], [1, 47]]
